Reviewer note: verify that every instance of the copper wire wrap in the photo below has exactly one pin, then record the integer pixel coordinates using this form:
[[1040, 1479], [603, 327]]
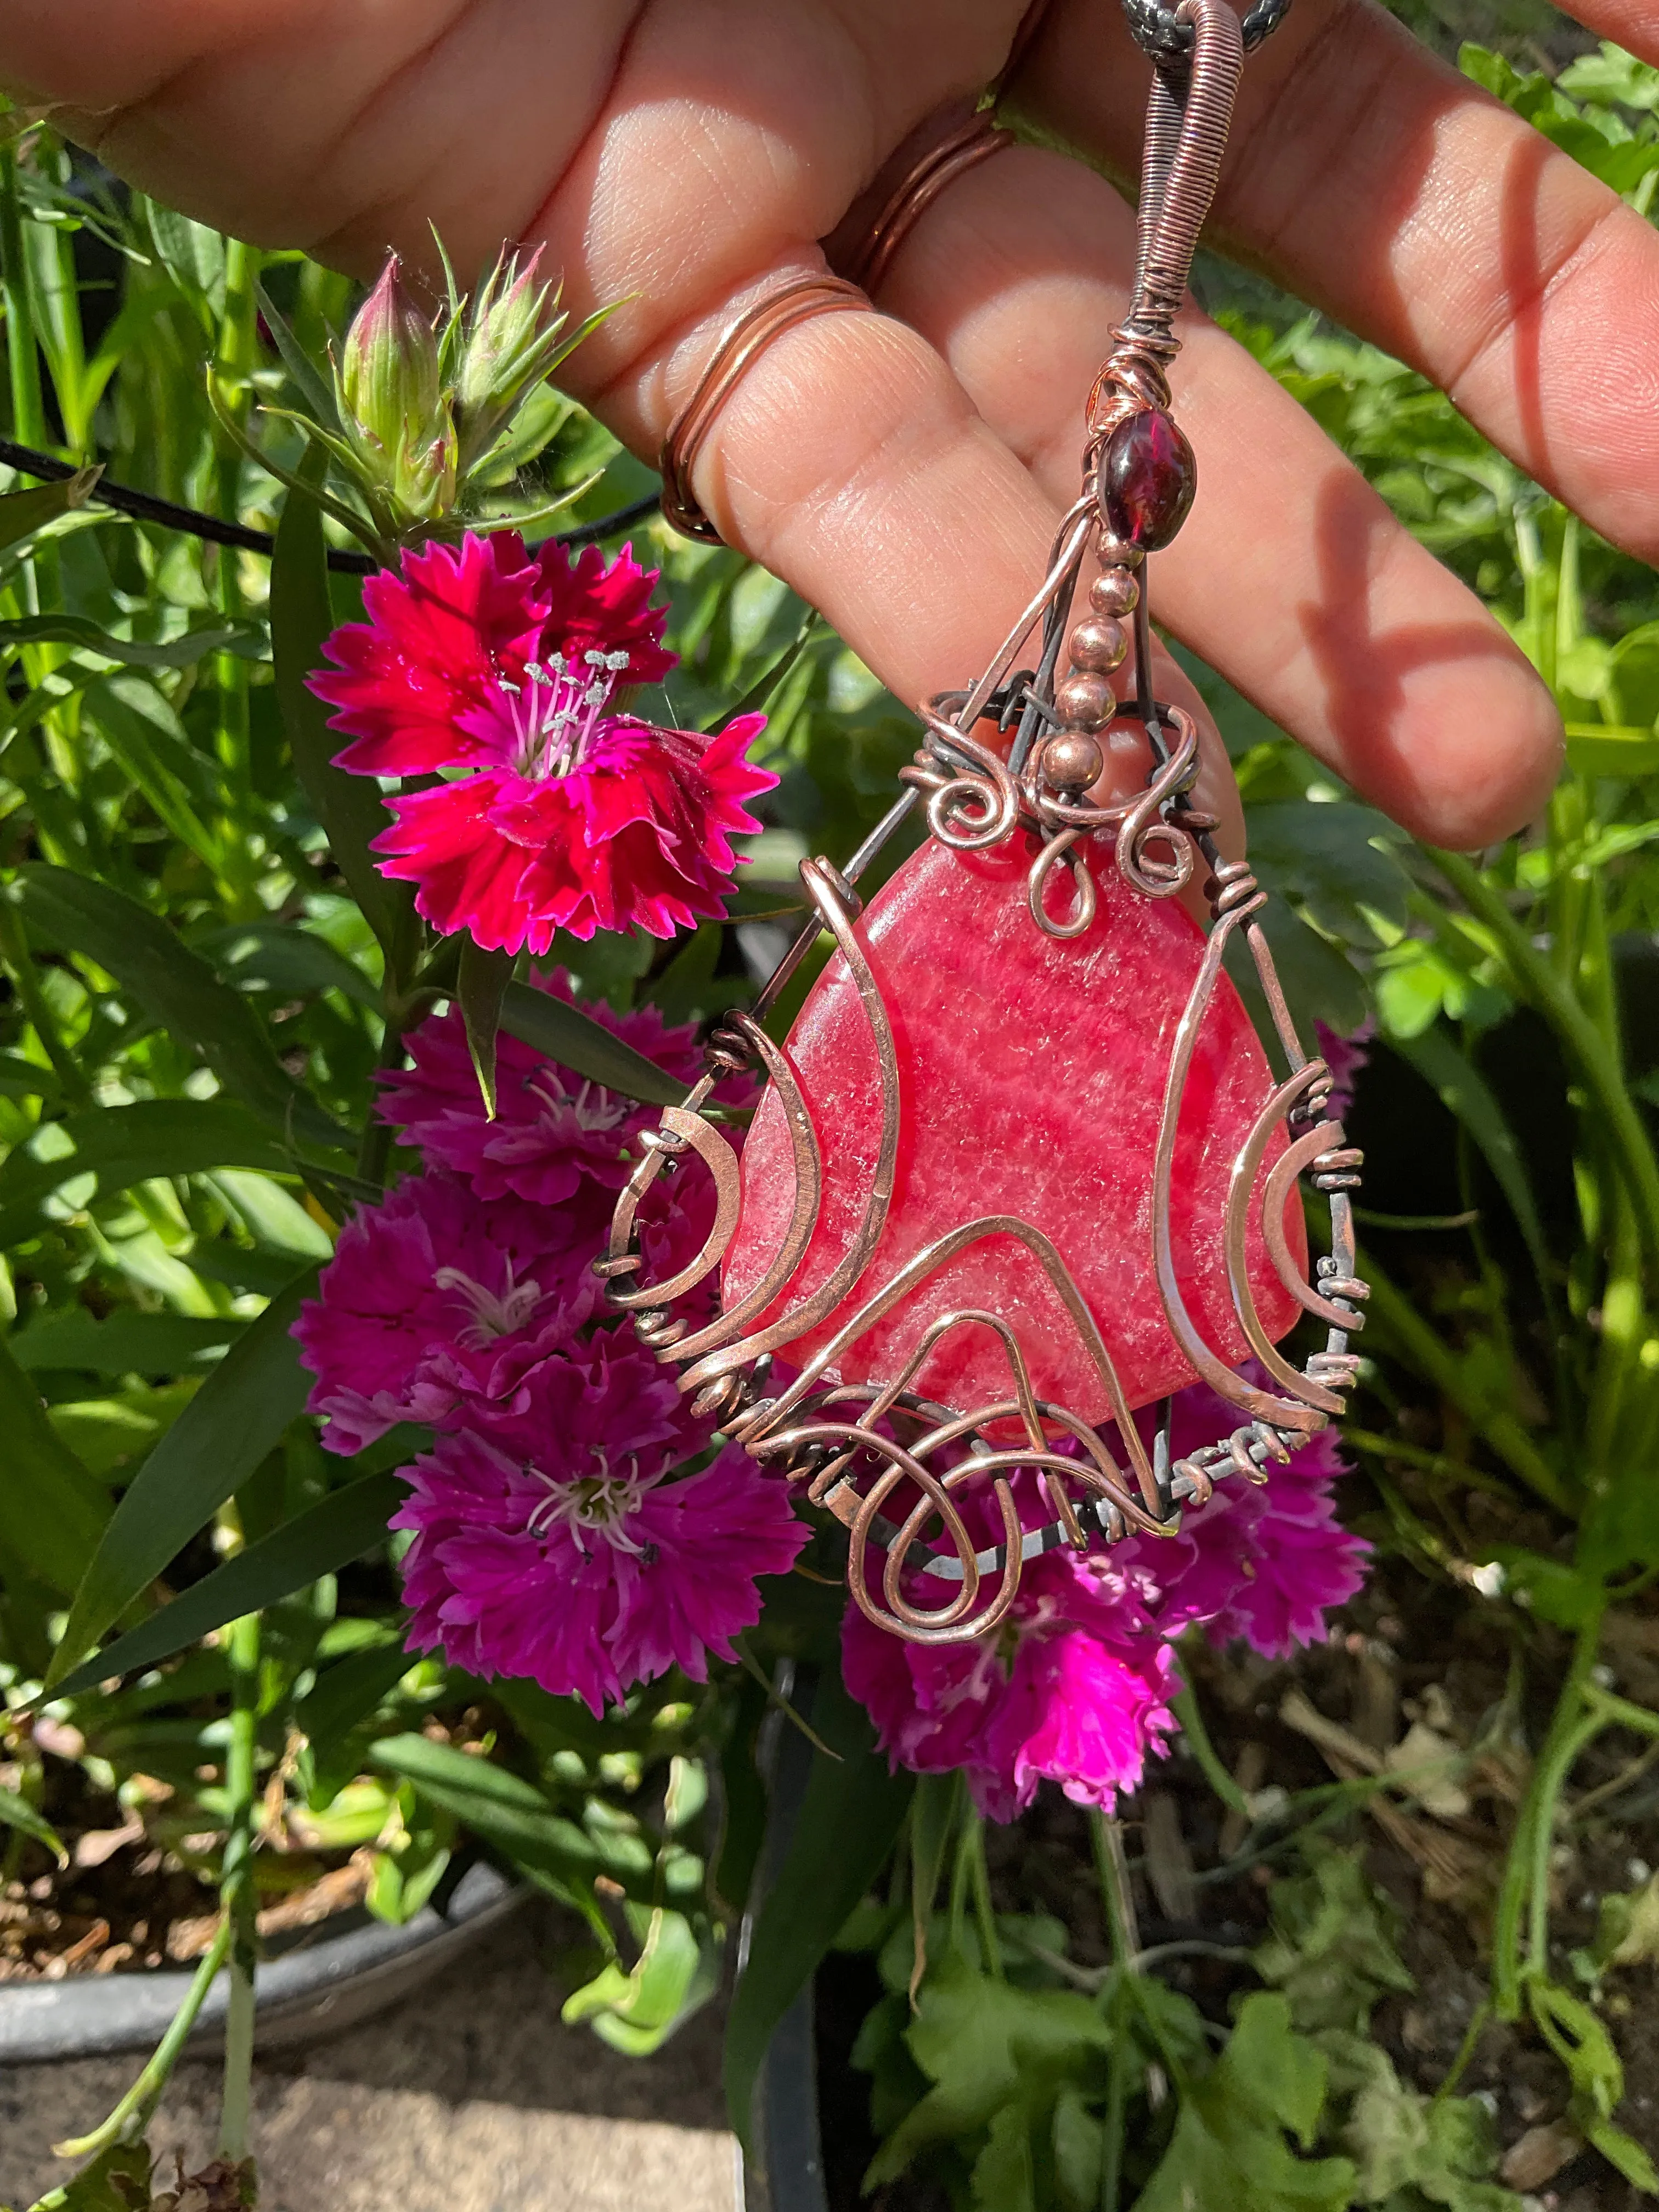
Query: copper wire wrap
[[999, 766], [741, 345], [963, 147]]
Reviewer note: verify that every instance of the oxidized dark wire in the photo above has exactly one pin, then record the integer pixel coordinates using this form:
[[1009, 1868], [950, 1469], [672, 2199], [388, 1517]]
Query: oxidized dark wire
[[860, 1448], [1161, 34]]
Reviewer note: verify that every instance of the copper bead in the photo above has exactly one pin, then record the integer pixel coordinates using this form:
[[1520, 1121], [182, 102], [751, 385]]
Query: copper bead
[[1085, 702], [1072, 761], [1098, 644], [1113, 593]]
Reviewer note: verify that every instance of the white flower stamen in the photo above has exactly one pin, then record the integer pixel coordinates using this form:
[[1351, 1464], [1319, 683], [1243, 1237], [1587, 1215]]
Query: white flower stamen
[[555, 716], [591, 1505], [494, 1314]]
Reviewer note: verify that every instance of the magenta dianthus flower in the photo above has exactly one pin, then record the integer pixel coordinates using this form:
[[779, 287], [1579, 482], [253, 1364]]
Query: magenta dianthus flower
[[552, 1132], [434, 1300], [551, 1544], [498, 670], [1074, 1686]]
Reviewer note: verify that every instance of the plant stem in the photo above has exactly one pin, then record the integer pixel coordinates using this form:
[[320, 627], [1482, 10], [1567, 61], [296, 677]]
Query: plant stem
[[237, 1893], [973, 1842], [1184, 1705], [1526, 1870], [137, 2108], [28, 411]]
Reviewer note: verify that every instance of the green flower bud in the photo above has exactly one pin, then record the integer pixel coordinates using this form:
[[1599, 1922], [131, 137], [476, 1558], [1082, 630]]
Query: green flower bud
[[389, 382], [507, 352]]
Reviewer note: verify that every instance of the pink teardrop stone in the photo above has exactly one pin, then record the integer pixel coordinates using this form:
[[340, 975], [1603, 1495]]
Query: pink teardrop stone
[[1032, 1076]]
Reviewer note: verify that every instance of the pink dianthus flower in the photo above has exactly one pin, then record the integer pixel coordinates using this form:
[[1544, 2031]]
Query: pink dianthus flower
[[497, 670], [435, 1299], [551, 1544]]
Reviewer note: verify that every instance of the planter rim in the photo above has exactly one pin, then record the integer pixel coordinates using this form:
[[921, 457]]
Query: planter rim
[[323, 1981]]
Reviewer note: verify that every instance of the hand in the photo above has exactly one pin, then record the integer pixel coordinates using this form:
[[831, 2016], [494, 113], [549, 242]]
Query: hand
[[904, 471]]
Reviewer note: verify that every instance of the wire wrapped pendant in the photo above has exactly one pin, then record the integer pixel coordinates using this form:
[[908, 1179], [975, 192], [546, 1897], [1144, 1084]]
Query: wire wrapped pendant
[[1060, 1180]]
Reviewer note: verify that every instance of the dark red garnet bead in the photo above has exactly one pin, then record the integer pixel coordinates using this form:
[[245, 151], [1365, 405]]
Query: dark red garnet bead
[[1147, 479]]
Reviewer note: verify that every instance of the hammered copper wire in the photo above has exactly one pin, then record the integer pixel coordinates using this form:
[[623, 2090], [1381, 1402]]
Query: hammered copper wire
[[741, 345]]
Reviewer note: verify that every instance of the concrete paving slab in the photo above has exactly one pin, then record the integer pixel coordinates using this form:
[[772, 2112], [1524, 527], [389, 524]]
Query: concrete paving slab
[[470, 2096]]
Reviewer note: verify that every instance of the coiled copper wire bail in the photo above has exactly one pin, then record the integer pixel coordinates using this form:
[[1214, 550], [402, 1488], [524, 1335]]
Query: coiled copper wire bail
[[1188, 119], [741, 345]]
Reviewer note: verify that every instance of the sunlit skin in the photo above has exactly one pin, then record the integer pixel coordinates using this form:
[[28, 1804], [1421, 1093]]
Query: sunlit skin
[[904, 471]]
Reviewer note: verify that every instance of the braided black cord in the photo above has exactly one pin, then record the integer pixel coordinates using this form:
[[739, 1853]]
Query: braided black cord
[[1167, 43]]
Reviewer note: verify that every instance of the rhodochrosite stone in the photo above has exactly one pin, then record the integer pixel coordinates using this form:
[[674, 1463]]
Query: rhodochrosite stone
[[1031, 1073]]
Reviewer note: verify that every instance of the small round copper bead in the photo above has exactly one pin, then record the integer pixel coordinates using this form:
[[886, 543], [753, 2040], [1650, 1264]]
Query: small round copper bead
[[1072, 761], [1114, 592], [1085, 702], [1099, 645]]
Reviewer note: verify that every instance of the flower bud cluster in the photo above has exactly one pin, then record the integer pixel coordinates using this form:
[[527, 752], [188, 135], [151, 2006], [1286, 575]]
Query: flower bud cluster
[[434, 409]]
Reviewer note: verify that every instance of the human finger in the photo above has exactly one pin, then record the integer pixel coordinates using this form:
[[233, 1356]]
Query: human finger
[[1290, 575], [1382, 187]]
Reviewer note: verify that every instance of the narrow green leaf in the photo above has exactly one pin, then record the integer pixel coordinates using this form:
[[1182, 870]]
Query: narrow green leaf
[[1465, 1092], [308, 380], [577, 1041], [122, 1145], [22, 512], [55, 1510], [318, 1541], [285, 958], [242, 638], [349, 807], [479, 988], [16, 1812], [510, 1814], [236, 1417], [348, 1693], [849, 1816], [177, 988], [157, 1344]]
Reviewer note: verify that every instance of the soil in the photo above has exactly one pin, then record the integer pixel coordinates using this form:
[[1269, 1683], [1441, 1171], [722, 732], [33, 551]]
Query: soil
[[125, 1902], [1408, 1652]]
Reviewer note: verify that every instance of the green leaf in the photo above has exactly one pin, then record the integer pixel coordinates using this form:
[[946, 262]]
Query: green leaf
[[480, 986], [349, 807], [16, 1812], [1332, 1951], [577, 1041], [347, 1692], [285, 958], [311, 384], [1580, 2040], [126, 1344], [1228, 2147], [1329, 857], [326, 1537], [56, 1510], [1465, 1092], [511, 1813], [176, 989], [195, 255], [236, 1417], [636, 2011], [997, 2056], [24, 512], [242, 638], [120, 1145], [1409, 2147], [849, 1817], [118, 2180]]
